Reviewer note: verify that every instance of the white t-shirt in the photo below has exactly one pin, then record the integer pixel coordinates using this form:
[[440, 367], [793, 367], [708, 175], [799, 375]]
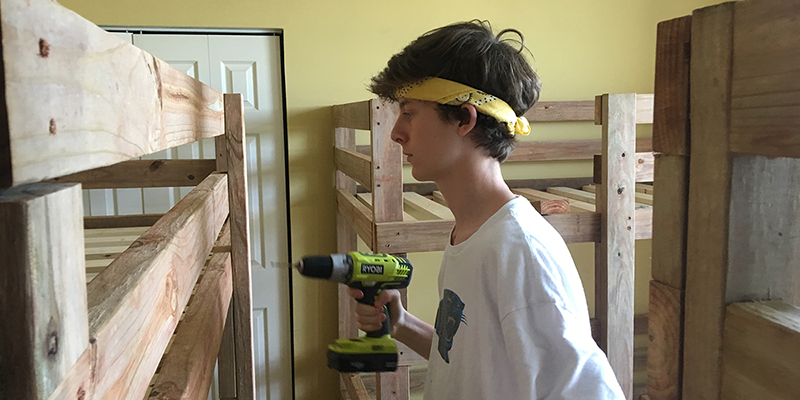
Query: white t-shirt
[[512, 321]]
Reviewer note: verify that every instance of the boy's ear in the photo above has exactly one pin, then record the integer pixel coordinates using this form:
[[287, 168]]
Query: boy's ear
[[468, 120]]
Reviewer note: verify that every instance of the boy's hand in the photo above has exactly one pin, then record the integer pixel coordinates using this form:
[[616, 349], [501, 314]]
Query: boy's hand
[[370, 318]]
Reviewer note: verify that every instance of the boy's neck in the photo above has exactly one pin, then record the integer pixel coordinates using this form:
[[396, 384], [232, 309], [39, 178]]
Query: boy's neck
[[474, 194]]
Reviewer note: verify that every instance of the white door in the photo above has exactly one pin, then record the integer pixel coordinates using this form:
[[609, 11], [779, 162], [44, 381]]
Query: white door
[[250, 65]]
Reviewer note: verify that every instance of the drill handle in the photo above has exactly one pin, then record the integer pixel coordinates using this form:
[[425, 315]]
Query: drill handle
[[369, 299]]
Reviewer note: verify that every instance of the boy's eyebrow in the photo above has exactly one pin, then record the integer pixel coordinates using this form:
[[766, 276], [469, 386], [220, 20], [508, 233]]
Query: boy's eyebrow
[[403, 103]]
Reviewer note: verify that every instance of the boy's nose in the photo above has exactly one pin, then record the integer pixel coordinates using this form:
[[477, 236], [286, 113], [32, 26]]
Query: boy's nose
[[397, 135]]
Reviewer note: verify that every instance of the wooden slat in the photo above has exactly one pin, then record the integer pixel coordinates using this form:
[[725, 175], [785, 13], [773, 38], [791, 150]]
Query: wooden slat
[[223, 243], [765, 97], [187, 369], [392, 385], [144, 173], [575, 194], [356, 215], [226, 359], [665, 332], [709, 195], [134, 304], [544, 111], [355, 386], [354, 165], [42, 289], [427, 188], [670, 205], [428, 207], [121, 221], [352, 115], [576, 228], [643, 223], [551, 206], [760, 351], [643, 167], [146, 106], [643, 113], [240, 247], [640, 197], [537, 195], [645, 188], [366, 198], [671, 117], [614, 257]]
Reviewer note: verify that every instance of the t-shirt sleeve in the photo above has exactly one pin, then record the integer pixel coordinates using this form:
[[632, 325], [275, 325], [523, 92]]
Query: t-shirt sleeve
[[554, 357]]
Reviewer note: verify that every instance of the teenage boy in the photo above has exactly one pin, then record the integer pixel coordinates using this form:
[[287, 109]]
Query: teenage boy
[[512, 321]]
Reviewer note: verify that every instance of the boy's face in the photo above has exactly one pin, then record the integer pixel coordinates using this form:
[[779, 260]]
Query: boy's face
[[431, 143]]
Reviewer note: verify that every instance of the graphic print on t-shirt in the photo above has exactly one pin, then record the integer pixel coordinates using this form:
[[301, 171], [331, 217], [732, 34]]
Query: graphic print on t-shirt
[[448, 317]]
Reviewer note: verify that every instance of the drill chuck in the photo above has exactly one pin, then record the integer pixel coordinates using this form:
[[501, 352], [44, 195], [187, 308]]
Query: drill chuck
[[335, 267]]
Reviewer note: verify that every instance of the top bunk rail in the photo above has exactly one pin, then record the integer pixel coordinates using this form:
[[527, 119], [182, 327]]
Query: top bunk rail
[[77, 97]]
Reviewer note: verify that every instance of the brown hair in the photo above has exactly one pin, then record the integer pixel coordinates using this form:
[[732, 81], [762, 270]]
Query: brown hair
[[471, 54]]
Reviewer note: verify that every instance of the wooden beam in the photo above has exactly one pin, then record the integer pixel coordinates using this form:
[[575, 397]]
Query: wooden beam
[[614, 256], [240, 246], [709, 196], [641, 198], [352, 115], [671, 118], [665, 333], [120, 221], [226, 367], [551, 206], [643, 167], [576, 228], [575, 194], [42, 288], [643, 110], [143, 173], [148, 105], [428, 207], [643, 223], [187, 369], [761, 347], [646, 188], [366, 198], [356, 215], [764, 96], [670, 205], [354, 165], [135, 303], [355, 386], [537, 195], [387, 171], [427, 188], [549, 111]]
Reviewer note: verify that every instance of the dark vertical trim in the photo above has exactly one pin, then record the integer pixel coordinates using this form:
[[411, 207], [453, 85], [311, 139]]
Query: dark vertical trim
[[6, 177]]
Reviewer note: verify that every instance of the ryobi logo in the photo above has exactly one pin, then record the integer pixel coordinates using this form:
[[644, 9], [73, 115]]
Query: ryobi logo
[[371, 269]]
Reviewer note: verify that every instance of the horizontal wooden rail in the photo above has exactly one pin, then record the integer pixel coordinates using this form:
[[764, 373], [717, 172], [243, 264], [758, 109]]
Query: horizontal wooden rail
[[559, 111], [352, 115], [644, 165], [357, 215], [355, 165], [144, 173], [644, 109], [135, 303], [187, 369], [120, 221], [78, 102]]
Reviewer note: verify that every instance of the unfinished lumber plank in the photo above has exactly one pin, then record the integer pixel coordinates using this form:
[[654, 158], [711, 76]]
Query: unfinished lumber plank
[[760, 351], [392, 385], [42, 288], [226, 369], [223, 243], [428, 207], [643, 223], [387, 171], [352, 115], [764, 238], [538, 195], [366, 198], [709, 196], [614, 256], [643, 167], [575, 194], [356, 215], [670, 205], [643, 110], [187, 369], [143, 173], [150, 105], [101, 233], [646, 188], [641, 198], [240, 246], [135, 303], [764, 96], [551, 206], [354, 165], [544, 111], [671, 117], [355, 386], [121, 221], [439, 197], [665, 332]]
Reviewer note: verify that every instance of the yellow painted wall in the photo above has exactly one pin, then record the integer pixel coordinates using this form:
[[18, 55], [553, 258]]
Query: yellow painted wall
[[333, 47]]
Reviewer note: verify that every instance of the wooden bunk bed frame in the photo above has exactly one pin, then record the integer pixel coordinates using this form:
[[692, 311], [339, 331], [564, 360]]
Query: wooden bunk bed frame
[[77, 104], [725, 296], [605, 217]]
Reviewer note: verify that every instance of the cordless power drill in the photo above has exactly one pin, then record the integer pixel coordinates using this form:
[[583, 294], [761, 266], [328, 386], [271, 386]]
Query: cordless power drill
[[370, 273]]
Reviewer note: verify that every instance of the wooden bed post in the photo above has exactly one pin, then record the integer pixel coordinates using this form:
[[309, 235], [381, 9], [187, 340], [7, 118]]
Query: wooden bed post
[[240, 242], [43, 307], [614, 261]]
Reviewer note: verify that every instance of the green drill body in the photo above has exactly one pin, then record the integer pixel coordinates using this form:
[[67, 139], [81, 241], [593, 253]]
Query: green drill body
[[370, 273]]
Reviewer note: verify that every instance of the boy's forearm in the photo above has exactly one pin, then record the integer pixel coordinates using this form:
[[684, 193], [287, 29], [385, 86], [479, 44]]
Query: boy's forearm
[[416, 334]]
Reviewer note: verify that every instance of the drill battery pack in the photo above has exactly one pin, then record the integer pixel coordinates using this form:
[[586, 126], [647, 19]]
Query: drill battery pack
[[363, 355]]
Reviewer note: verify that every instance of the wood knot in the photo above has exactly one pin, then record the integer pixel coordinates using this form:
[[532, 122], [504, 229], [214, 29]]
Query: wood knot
[[52, 126], [191, 177], [44, 48], [81, 394], [52, 344], [156, 165], [620, 190]]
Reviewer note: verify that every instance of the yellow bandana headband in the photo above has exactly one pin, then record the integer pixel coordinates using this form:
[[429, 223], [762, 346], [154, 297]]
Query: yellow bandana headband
[[444, 91]]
